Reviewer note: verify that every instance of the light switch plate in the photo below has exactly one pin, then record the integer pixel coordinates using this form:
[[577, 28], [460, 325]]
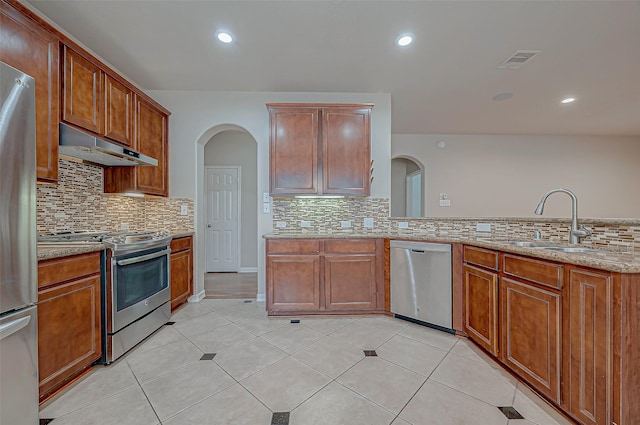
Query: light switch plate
[[266, 208], [345, 223], [445, 202], [304, 223], [368, 223], [184, 209], [265, 197], [281, 224], [403, 225]]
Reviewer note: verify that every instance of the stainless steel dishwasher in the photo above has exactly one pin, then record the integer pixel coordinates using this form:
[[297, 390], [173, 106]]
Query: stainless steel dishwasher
[[421, 286]]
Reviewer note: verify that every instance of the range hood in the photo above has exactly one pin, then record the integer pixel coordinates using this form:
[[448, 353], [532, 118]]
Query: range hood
[[79, 144]]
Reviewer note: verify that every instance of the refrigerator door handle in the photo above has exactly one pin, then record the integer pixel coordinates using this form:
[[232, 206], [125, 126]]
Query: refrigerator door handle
[[12, 327]]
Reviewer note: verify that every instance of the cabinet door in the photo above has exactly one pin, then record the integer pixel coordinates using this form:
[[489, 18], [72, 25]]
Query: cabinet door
[[531, 330], [34, 51], [590, 343], [69, 327], [118, 117], [350, 282], [481, 307], [181, 277], [151, 139], [82, 94], [293, 283], [293, 151], [346, 151]]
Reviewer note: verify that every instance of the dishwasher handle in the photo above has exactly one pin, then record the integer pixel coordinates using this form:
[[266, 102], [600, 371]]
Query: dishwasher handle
[[418, 251]]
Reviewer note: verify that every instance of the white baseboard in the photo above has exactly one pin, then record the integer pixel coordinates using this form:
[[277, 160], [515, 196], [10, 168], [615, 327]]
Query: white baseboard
[[260, 297], [197, 297], [248, 270]]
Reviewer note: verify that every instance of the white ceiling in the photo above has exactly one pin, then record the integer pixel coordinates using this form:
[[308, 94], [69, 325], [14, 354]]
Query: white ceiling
[[443, 83]]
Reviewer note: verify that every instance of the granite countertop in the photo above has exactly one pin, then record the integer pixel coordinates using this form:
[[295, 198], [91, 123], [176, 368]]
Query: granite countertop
[[48, 252], [605, 259], [67, 250]]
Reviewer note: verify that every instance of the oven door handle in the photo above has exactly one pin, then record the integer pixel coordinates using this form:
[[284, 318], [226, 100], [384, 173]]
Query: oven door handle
[[142, 258]]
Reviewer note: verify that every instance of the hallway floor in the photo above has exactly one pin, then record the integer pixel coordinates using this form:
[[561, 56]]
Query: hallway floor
[[231, 285], [224, 362]]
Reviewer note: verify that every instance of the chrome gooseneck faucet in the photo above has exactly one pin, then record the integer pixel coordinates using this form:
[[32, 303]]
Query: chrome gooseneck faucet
[[576, 233]]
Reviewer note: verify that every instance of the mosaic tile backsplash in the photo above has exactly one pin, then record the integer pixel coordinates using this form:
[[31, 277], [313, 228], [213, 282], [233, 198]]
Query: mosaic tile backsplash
[[325, 216], [77, 203]]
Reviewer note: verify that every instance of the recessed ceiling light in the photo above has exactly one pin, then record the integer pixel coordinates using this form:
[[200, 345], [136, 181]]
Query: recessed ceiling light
[[568, 100], [225, 37], [404, 40]]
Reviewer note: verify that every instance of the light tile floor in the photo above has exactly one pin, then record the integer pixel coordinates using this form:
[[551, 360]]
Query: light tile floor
[[315, 369]]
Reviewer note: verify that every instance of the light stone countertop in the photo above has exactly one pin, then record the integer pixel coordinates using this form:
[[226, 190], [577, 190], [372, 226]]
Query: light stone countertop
[[608, 259], [46, 253]]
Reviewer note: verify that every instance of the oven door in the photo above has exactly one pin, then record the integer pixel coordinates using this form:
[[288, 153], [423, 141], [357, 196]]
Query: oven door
[[140, 284]]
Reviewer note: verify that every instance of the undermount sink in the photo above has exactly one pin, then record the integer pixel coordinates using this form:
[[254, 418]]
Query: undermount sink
[[573, 249], [528, 244]]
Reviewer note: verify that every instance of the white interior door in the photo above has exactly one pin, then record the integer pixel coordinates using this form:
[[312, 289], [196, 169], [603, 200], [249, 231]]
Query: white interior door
[[223, 212]]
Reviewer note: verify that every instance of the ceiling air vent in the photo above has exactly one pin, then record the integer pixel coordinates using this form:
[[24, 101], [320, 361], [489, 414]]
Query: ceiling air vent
[[518, 59]]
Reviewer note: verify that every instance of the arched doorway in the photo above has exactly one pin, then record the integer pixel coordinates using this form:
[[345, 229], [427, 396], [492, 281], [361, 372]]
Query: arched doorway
[[408, 190], [230, 214]]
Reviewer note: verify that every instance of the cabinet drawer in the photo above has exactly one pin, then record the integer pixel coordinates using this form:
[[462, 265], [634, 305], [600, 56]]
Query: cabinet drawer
[[481, 257], [180, 244], [292, 246], [67, 268], [537, 271], [350, 246]]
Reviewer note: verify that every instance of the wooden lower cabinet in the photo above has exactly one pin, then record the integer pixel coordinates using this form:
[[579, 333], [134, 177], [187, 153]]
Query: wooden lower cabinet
[[181, 268], [325, 276], [69, 319], [481, 307], [294, 282], [348, 282], [590, 342], [530, 322]]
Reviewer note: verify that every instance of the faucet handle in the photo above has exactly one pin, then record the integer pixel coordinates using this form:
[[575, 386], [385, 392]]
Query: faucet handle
[[582, 232]]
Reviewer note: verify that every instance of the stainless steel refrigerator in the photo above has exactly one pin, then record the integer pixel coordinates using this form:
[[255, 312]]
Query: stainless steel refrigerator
[[18, 263]]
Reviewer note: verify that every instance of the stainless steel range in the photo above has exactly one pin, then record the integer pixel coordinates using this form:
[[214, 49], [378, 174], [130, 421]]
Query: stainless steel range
[[137, 289]]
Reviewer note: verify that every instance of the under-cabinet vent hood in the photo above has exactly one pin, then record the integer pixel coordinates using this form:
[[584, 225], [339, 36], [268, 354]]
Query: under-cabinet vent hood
[[79, 144]]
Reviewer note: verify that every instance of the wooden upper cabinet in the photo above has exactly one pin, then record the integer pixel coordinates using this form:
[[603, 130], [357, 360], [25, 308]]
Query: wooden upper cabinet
[[82, 92], [318, 149], [293, 151], [118, 108], [346, 151], [33, 50], [151, 140]]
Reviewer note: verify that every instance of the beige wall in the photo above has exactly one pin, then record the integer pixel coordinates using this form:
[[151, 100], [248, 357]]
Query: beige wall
[[506, 175], [235, 148]]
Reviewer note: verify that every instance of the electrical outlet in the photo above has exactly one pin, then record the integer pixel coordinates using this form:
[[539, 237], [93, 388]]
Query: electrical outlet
[[281, 224], [124, 226], [483, 227], [368, 223], [184, 209], [345, 223], [265, 197], [304, 223], [266, 208], [403, 225]]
